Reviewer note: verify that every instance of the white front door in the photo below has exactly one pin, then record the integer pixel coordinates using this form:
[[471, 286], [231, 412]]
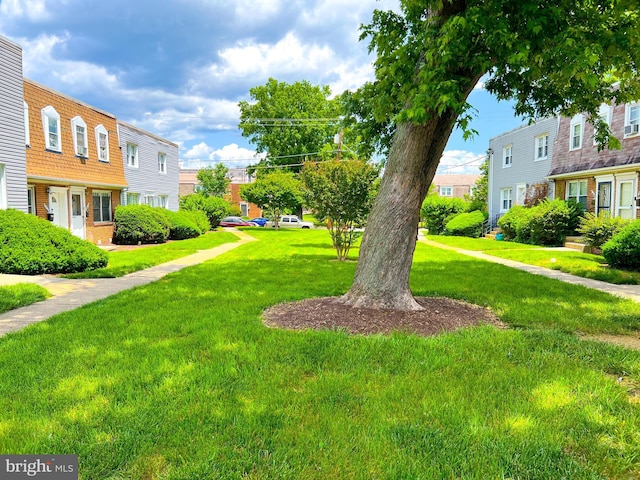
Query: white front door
[[78, 213], [625, 198], [59, 206]]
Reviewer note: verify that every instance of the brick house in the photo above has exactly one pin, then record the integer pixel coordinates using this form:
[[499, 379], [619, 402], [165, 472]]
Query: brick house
[[605, 181], [75, 172], [454, 184]]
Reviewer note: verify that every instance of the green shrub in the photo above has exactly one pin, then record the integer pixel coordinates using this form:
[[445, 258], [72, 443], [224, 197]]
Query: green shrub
[[623, 250], [576, 214], [182, 226], [235, 211], [516, 217], [135, 224], [437, 211], [550, 222], [199, 218], [32, 246], [466, 224], [215, 208], [598, 229]]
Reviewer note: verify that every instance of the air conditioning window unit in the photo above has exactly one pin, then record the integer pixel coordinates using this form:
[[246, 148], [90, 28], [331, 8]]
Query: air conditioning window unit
[[632, 129]]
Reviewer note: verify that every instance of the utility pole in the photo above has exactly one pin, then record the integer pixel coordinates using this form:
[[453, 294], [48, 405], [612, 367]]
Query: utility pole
[[339, 142]]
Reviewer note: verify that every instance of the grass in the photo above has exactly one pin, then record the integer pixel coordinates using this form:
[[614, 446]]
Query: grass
[[576, 263], [128, 261], [179, 379], [20, 295]]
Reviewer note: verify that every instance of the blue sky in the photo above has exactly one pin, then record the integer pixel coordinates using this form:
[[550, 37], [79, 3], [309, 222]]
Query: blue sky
[[178, 68]]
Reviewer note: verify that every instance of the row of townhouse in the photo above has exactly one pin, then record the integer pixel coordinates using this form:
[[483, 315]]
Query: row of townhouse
[[72, 163], [558, 157]]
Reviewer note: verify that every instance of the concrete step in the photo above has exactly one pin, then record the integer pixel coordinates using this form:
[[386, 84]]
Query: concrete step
[[574, 239], [581, 247], [490, 236]]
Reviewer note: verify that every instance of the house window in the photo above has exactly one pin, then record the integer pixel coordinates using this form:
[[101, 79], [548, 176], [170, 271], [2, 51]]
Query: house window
[[51, 125], [102, 143], [163, 201], [632, 120], [132, 155], [507, 156], [605, 115], [577, 191], [446, 191], [521, 193], [149, 199], [80, 143], [31, 199], [244, 209], [3, 188], [27, 134], [505, 199], [133, 198], [162, 163], [542, 147], [576, 133], [101, 206]]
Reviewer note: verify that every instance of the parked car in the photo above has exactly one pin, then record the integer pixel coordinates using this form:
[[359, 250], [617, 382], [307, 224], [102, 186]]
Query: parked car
[[260, 221], [236, 222], [291, 221]]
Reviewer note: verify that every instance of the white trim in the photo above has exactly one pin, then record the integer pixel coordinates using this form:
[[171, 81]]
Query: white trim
[[162, 166], [442, 193], [577, 120], [31, 209], [132, 155], [503, 198], [101, 193], [632, 126], [520, 187], [79, 127], [52, 139], [27, 130], [507, 156], [100, 130], [536, 154]]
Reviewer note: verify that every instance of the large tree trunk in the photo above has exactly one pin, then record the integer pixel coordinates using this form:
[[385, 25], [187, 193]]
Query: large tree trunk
[[386, 253]]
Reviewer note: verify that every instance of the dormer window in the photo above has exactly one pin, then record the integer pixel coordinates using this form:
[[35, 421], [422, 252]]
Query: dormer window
[[102, 143], [51, 125], [80, 142], [575, 131]]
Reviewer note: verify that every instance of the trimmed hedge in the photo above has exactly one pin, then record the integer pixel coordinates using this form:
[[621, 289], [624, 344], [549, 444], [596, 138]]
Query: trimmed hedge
[[182, 226], [135, 224], [466, 224], [437, 211], [32, 246], [215, 208], [199, 218], [623, 250]]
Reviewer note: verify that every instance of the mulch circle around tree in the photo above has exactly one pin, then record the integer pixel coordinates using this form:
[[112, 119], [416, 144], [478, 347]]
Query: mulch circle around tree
[[440, 315]]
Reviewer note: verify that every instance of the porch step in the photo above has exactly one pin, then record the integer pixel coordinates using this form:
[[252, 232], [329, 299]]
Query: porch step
[[492, 234], [576, 243]]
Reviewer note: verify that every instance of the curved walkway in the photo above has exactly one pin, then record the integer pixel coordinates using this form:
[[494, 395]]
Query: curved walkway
[[68, 294]]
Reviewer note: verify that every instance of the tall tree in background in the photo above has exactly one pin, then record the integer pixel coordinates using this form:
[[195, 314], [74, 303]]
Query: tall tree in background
[[275, 192], [289, 122], [549, 57], [214, 181]]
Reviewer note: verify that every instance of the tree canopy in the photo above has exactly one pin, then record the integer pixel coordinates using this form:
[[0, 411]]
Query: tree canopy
[[289, 122], [275, 192], [566, 56], [213, 180], [341, 193]]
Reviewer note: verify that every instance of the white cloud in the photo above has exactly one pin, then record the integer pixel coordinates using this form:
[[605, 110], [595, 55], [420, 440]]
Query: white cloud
[[460, 161], [34, 10], [232, 156], [251, 11]]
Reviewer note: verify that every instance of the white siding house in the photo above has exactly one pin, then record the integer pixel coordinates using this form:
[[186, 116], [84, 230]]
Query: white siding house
[[150, 167], [518, 160], [13, 111]]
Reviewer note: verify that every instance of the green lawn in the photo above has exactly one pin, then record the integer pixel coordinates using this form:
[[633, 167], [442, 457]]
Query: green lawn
[[179, 379], [129, 261], [576, 263], [21, 294]]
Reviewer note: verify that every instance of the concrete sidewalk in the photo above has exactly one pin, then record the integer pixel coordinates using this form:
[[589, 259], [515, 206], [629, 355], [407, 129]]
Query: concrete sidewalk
[[626, 291], [69, 294]]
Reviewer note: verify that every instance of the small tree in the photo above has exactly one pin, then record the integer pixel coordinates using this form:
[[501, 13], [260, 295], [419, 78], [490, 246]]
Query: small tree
[[480, 194], [274, 193], [342, 193], [214, 181], [214, 208]]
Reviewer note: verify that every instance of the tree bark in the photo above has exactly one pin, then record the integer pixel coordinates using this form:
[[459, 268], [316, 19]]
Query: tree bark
[[386, 253]]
